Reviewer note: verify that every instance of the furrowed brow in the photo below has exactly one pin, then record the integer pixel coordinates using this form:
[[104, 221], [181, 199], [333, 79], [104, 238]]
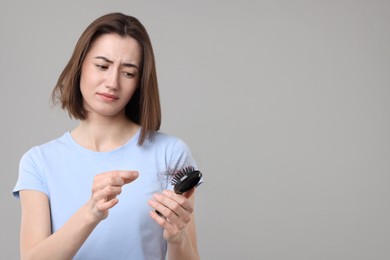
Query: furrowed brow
[[130, 65], [104, 58]]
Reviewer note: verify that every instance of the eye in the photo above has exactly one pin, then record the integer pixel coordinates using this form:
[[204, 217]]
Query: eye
[[101, 67], [128, 74]]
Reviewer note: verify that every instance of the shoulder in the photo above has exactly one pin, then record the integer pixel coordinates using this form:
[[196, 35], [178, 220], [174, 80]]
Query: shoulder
[[164, 140], [171, 146], [161, 139], [46, 148]]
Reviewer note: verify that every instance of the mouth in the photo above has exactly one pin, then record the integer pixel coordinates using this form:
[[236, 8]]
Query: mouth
[[107, 97]]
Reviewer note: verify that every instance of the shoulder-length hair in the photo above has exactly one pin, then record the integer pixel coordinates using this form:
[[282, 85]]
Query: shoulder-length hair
[[144, 107]]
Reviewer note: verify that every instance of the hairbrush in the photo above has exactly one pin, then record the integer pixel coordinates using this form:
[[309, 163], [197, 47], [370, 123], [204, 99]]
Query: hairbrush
[[184, 180]]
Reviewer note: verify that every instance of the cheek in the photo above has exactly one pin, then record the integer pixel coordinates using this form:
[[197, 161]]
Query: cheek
[[129, 96], [82, 84], [83, 79], [83, 89], [128, 89], [87, 81]]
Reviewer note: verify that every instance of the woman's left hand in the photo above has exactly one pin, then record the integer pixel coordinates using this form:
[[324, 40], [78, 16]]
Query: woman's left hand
[[176, 210]]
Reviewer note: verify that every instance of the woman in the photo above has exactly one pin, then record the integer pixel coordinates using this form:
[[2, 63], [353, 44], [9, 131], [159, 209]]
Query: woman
[[93, 193]]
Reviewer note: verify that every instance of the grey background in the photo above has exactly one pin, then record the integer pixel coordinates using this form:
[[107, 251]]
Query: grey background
[[285, 105]]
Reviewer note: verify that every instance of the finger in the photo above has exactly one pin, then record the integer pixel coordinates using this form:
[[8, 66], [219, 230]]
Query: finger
[[171, 209], [107, 179], [161, 221], [105, 205], [189, 193], [166, 223], [172, 230], [180, 199], [112, 191], [160, 209], [165, 212], [113, 178], [106, 194], [127, 176]]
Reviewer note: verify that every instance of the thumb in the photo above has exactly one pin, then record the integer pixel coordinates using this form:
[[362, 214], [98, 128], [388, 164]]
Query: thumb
[[189, 193], [129, 176]]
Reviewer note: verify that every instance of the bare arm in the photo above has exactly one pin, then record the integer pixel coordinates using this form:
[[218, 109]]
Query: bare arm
[[36, 240]]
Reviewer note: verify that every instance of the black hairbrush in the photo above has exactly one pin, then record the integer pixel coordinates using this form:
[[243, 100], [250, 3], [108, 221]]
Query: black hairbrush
[[184, 180]]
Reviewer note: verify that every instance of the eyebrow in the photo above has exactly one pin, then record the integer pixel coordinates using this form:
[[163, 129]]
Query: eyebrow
[[131, 65]]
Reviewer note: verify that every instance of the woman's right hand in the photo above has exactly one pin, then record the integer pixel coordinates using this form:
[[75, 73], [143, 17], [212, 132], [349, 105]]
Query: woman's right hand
[[105, 189]]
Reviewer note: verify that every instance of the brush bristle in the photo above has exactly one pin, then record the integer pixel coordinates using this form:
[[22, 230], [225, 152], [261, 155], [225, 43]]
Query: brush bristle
[[181, 175]]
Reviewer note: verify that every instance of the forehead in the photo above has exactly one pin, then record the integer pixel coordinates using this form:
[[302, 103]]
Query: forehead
[[116, 48]]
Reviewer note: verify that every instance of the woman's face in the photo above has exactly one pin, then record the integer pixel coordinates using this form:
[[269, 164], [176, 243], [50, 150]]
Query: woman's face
[[110, 75]]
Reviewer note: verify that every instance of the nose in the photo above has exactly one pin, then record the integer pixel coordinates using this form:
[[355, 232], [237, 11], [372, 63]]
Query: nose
[[112, 81]]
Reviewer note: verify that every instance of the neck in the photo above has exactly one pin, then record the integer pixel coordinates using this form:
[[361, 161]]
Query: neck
[[104, 134]]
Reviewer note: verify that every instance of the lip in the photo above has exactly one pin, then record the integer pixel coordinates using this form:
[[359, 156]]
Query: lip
[[107, 97]]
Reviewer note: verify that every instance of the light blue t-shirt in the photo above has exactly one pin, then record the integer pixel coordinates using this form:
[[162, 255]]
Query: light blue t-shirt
[[64, 171]]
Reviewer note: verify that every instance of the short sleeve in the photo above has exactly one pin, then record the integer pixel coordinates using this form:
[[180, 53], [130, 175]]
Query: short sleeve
[[30, 178], [181, 158]]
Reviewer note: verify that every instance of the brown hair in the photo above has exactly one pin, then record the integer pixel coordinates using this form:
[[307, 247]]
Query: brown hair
[[144, 107]]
